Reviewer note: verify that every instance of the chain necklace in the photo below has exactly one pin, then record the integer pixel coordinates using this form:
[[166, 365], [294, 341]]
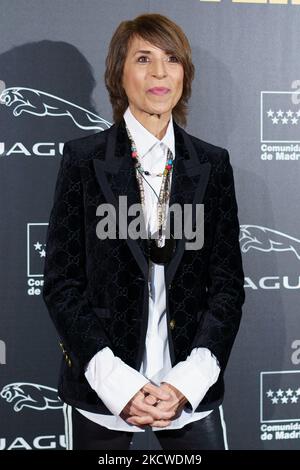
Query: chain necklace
[[158, 252]]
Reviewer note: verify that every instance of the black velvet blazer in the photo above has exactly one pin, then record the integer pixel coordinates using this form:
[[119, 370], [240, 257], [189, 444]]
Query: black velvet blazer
[[96, 291]]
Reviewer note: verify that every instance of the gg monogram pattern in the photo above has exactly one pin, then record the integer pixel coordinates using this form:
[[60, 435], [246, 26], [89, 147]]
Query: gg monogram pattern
[[96, 291]]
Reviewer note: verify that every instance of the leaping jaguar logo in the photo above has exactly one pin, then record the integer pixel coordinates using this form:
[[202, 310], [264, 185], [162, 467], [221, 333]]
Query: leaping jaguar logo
[[266, 239], [39, 103], [29, 395]]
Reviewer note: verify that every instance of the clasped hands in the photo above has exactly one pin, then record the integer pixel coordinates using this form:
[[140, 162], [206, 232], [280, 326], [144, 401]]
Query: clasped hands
[[154, 405]]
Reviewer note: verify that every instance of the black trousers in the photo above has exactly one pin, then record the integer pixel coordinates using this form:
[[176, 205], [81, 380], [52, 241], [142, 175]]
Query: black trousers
[[206, 434]]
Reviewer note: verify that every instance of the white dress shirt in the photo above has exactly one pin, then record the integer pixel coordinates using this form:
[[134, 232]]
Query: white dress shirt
[[114, 381]]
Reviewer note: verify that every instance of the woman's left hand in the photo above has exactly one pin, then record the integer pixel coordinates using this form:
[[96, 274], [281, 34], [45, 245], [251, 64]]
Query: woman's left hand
[[175, 403]]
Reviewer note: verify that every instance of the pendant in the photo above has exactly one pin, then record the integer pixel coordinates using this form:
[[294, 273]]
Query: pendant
[[163, 254]]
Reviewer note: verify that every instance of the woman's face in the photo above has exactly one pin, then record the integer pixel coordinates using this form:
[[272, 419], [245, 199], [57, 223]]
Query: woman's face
[[146, 67]]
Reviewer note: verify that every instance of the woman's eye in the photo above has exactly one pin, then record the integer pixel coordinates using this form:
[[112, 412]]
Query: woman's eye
[[142, 57], [174, 57]]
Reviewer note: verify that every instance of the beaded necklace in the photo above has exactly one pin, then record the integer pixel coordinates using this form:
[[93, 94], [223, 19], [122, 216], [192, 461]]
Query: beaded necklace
[[158, 252]]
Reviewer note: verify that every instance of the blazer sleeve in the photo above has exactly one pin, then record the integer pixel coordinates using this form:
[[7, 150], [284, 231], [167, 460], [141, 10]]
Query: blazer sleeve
[[221, 316], [64, 289]]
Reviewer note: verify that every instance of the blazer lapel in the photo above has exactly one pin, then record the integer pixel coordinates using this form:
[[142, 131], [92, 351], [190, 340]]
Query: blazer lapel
[[189, 181], [116, 176]]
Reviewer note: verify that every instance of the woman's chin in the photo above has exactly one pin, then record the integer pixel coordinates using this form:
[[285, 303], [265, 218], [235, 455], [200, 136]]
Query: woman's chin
[[159, 108]]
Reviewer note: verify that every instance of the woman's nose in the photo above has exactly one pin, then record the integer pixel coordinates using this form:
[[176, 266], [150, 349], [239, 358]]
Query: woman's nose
[[158, 67]]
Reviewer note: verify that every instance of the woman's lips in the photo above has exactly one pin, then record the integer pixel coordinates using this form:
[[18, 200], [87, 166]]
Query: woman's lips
[[159, 90]]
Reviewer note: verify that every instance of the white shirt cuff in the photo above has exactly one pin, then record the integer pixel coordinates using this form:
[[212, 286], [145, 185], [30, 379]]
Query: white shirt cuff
[[114, 381], [194, 376]]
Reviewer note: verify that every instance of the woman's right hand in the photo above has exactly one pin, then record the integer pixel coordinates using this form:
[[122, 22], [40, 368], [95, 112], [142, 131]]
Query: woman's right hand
[[141, 409]]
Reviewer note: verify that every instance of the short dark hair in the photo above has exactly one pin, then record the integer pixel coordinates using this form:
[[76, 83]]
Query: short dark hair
[[161, 32]]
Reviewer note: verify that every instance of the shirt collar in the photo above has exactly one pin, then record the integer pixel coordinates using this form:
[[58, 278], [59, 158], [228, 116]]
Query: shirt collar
[[143, 139]]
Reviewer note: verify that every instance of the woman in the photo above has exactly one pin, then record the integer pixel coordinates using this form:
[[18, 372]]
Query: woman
[[146, 323]]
